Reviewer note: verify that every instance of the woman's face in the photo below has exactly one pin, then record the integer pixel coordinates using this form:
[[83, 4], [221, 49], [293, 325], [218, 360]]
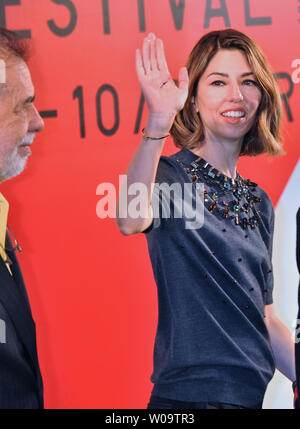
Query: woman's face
[[228, 96]]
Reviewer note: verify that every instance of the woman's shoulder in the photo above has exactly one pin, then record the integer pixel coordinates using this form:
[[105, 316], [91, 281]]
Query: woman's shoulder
[[258, 192], [183, 155], [265, 207], [264, 197], [170, 168]]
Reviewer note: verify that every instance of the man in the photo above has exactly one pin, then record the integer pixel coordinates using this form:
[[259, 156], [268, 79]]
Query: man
[[20, 379]]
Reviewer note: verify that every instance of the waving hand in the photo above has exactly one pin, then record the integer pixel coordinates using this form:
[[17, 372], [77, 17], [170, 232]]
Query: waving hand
[[163, 97]]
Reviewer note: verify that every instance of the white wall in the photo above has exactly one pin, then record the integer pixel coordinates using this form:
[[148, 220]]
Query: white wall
[[279, 393]]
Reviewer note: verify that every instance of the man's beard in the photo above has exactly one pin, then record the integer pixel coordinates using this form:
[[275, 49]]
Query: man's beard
[[13, 165]]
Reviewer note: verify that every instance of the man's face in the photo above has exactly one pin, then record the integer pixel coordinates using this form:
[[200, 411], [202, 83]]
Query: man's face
[[19, 119]]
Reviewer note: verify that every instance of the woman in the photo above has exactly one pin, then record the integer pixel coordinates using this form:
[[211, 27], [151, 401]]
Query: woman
[[217, 336]]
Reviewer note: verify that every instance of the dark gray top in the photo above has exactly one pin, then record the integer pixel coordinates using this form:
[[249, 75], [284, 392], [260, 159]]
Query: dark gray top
[[213, 283]]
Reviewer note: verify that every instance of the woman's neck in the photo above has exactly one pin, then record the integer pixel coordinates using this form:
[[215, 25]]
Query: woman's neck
[[223, 155]]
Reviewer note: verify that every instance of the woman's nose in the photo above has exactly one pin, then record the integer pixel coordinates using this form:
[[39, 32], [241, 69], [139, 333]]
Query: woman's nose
[[235, 93]]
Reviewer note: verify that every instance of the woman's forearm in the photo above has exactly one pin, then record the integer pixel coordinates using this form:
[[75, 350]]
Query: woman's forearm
[[142, 169], [283, 347]]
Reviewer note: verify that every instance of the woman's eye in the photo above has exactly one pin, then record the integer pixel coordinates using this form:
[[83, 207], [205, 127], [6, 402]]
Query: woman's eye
[[250, 82], [247, 82], [218, 83]]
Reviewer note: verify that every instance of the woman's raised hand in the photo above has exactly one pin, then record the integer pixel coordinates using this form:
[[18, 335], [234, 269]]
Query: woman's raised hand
[[163, 97]]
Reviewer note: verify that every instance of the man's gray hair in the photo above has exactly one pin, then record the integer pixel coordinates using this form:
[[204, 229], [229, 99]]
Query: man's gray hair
[[12, 43]]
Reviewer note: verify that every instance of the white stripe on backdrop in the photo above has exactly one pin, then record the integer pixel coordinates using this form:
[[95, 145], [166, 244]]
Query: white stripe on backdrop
[[279, 392]]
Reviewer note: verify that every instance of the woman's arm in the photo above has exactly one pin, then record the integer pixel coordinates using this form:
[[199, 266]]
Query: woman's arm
[[282, 344], [164, 99]]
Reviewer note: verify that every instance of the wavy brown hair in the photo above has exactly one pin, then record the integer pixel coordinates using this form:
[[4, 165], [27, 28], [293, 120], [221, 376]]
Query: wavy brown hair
[[264, 136]]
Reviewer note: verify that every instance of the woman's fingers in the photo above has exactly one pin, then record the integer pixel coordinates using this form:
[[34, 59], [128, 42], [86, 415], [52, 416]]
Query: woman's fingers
[[149, 56], [161, 58], [139, 64], [146, 54], [160, 91], [153, 56], [153, 61], [183, 78]]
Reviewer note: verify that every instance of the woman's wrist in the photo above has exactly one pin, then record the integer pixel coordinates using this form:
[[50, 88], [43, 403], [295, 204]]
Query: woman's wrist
[[159, 125], [147, 137]]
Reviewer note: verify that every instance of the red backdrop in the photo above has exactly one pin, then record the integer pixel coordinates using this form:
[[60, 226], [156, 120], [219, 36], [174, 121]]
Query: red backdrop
[[92, 291]]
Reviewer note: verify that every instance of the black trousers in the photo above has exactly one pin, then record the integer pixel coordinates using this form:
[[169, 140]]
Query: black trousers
[[157, 402]]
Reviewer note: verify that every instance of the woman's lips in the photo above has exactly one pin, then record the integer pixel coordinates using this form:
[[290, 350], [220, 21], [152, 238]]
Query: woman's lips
[[234, 116], [233, 120]]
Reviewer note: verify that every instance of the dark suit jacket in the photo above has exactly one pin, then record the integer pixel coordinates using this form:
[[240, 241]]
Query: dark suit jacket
[[20, 378], [297, 345]]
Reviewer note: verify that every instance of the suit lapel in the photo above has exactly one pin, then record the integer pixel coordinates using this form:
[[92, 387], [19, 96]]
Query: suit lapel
[[13, 300], [17, 275]]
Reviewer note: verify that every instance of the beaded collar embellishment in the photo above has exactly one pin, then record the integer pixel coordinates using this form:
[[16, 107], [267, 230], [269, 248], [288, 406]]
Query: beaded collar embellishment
[[233, 199]]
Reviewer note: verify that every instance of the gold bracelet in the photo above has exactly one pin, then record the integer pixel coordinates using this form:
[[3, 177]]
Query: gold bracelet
[[153, 138]]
